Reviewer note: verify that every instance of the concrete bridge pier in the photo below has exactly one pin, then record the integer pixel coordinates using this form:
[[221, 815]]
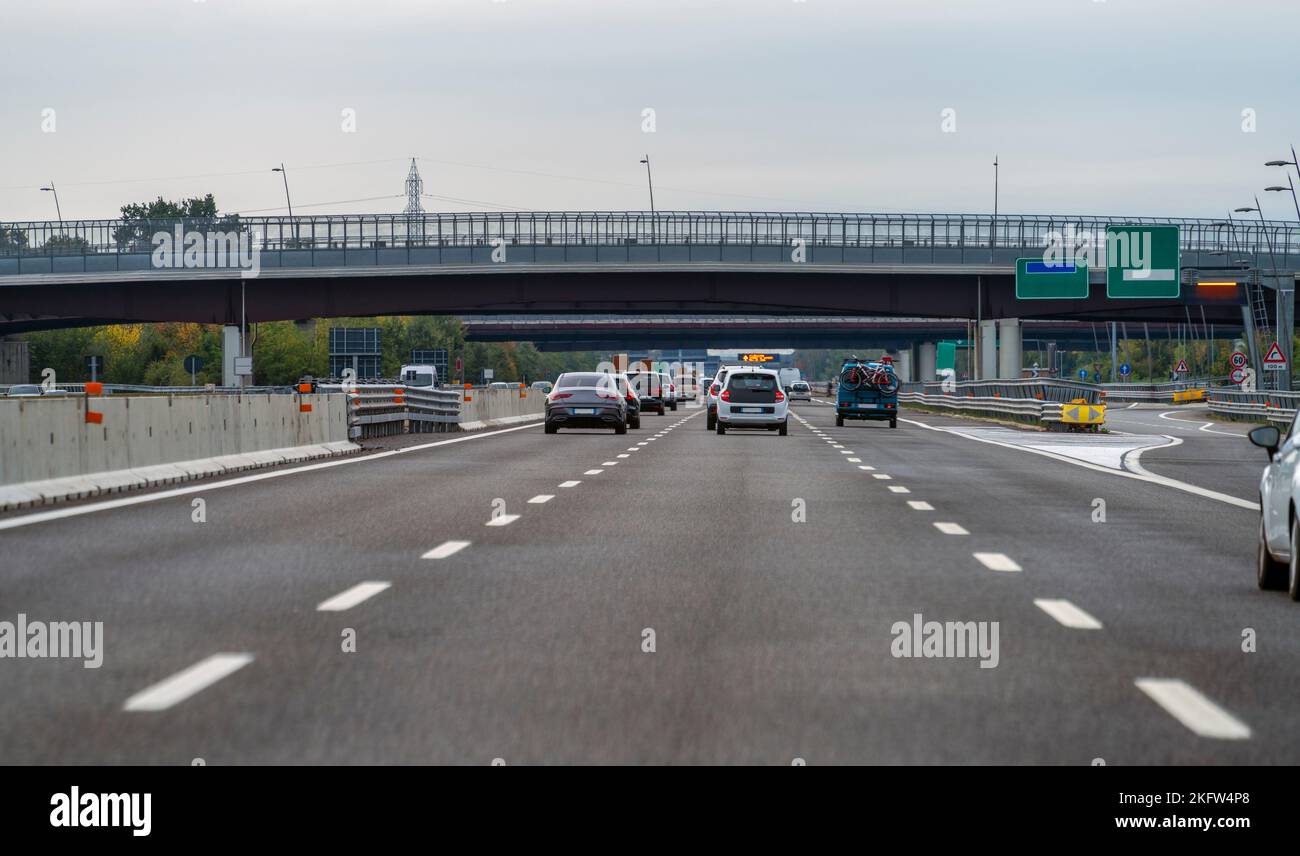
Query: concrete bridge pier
[[927, 362], [1010, 355], [988, 343], [230, 348]]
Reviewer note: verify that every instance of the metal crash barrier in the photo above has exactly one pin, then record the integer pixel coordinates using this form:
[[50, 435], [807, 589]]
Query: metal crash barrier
[[1047, 402], [380, 410], [1253, 406]]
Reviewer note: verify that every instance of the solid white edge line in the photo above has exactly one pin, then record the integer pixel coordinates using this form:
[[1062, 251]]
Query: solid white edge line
[[349, 598], [108, 505], [1141, 475], [187, 682]]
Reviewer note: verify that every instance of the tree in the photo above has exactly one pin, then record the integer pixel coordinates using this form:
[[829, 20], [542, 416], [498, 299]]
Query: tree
[[12, 241], [142, 219]]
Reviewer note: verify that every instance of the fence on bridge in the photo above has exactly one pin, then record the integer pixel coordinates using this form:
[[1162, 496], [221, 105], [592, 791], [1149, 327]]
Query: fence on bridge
[[917, 238], [1254, 406]]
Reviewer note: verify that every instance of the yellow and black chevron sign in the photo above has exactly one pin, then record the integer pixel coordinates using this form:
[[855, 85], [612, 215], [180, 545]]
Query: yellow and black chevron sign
[[1083, 414]]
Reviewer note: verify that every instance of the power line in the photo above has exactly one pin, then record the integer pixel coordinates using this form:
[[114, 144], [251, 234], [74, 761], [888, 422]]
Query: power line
[[317, 204]]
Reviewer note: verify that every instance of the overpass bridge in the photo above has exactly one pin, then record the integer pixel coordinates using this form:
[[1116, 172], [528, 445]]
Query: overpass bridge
[[278, 268], [688, 331]]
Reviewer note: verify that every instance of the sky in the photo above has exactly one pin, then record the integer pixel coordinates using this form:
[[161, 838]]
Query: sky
[[1129, 107]]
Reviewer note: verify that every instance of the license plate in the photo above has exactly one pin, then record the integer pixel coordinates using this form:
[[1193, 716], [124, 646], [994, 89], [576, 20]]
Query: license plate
[[584, 411], [749, 409], [868, 406]]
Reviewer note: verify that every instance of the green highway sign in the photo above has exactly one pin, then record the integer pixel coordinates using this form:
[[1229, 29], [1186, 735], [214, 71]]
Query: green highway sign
[[1142, 261], [1040, 280]]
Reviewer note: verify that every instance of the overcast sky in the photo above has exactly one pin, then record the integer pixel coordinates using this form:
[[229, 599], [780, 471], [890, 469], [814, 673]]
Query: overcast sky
[[1117, 107]]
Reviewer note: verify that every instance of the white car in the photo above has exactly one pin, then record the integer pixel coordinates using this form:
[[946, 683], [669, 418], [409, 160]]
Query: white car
[[752, 398], [1279, 528], [710, 395], [799, 390]]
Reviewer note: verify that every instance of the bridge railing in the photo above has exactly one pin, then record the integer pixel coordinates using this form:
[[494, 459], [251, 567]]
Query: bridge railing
[[934, 233]]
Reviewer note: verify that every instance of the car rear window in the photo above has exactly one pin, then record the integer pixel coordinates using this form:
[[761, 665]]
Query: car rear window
[[752, 382], [568, 381]]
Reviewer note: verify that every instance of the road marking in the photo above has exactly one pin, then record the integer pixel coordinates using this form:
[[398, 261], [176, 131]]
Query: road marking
[[992, 561], [881, 476], [570, 483], [644, 443], [1185, 704], [951, 528], [920, 505], [1135, 471], [350, 598], [625, 455], [610, 464], [1068, 614], [866, 467], [854, 460], [540, 498], [1204, 426], [632, 448], [187, 682], [845, 452], [593, 472], [204, 485], [898, 488], [446, 549], [502, 520]]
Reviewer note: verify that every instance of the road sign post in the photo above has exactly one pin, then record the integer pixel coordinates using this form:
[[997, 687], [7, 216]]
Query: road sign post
[[1142, 262], [193, 364], [1037, 279]]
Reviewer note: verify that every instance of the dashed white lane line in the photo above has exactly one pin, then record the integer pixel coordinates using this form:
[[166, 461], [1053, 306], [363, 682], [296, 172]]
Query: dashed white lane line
[[445, 549], [854, 460], [624, 455], [919, 505], [644, 443], [1187, 705], [1067, 613], [898, 488], [540, 498], [593, 472], [951, 528], [359, 593], [881, 476], [187, 682], [866, 467], [502, 520], [633, 448], [845, 452], [570, 483], [609, 463], [992, 561]]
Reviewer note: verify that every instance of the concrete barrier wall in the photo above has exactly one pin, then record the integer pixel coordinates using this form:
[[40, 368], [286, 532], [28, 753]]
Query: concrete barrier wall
[[46, 438], [493, 407]]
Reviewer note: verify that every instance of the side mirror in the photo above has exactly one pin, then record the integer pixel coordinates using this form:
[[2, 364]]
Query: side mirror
[[1266, 437]]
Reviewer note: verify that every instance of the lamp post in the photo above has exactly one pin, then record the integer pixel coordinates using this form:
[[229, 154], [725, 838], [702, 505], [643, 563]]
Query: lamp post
[[993, 227], [57, 209], [654, 231], [1285, 307], [284, 174]]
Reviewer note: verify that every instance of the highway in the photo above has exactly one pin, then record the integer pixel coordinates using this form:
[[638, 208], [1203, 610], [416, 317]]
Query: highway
[[499, 587]]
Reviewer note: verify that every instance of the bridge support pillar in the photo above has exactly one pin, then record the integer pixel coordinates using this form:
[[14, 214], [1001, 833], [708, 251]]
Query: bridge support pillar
[[927, 361], [903, 364], [988, 367], [1010, 358], [230, 348]]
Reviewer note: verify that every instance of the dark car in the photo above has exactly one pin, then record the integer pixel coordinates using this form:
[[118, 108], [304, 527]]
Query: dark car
[[650, 387], [633, 401], [586, 400]]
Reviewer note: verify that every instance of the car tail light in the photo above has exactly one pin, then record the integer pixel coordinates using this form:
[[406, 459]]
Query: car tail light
[[631, 396], [713, 390], [555, 396], [672, 387], [608, 395], [780, 396], [726, 395]]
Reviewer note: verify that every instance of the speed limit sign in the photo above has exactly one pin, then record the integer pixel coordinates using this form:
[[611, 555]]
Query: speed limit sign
[[1238, 360]]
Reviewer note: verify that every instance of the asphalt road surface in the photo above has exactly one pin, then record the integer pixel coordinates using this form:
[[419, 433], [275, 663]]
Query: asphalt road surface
[[501, 592]]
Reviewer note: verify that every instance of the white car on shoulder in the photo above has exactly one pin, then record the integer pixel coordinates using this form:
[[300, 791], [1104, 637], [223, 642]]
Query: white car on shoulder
[[1279, 495], [752, 398]]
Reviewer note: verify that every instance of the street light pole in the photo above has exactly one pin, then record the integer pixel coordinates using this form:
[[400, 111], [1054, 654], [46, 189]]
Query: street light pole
[[58, 210], [654, 230], [284, 174], [993, 227]]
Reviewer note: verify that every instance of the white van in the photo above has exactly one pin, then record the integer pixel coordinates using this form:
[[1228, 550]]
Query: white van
[[419, 377]]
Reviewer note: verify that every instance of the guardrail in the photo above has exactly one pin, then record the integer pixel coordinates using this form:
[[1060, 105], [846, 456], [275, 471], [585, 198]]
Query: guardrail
[[1254, 406], [380, 410]]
